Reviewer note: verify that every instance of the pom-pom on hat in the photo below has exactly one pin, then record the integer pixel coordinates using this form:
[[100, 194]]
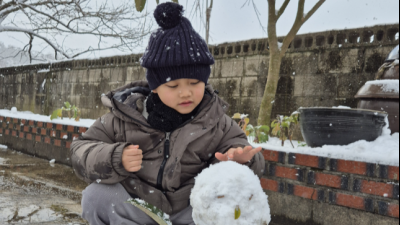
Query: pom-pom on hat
[[175, 50]]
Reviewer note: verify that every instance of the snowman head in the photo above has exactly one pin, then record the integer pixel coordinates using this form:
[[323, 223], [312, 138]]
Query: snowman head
[[229, 193]]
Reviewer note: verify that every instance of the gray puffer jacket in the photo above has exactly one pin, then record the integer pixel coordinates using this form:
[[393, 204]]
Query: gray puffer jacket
[[171, 160]]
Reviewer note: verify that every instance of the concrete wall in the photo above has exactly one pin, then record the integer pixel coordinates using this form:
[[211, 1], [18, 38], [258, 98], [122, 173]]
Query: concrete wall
[[302, 189], [320, 69]]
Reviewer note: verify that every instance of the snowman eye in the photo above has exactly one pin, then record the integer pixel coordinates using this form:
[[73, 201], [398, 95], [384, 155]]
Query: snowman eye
[[251, 197]]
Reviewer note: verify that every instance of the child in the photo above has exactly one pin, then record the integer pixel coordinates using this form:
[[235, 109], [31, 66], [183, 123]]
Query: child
[[159, 134]]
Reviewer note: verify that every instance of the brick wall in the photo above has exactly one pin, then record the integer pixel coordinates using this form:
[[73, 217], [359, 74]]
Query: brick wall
[[45, 140], [367, 187]]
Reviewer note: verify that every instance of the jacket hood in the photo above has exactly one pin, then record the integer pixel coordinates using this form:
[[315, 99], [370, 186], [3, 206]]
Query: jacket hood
[[127, 103]]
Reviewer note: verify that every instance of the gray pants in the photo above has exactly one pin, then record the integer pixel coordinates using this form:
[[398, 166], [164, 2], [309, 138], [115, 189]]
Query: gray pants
[[106, 204]]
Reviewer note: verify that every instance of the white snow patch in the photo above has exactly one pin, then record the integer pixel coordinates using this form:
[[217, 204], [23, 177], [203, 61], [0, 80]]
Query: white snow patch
[[280, 45], [44, 83], [65, 137], [222, 188], [52, 161], [388, 86], [41, 118], [3, 147], [341, 107], [384, 150], [14, 110]]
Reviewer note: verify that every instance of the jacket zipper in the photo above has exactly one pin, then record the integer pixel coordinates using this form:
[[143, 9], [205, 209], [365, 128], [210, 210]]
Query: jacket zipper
[[166, 157]]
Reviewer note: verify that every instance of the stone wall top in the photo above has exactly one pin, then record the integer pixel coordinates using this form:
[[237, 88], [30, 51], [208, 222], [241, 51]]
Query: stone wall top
[[367, 36]]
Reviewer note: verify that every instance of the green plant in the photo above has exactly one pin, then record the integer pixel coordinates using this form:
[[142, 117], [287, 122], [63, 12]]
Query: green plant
[[285, 125], [72, 110], [260, 133], [302, 144]]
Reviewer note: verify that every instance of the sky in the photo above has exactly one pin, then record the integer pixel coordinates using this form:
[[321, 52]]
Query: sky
[[233, 20]]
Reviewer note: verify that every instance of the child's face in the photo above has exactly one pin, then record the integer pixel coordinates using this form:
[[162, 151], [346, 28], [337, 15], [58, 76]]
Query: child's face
[[183, 95]]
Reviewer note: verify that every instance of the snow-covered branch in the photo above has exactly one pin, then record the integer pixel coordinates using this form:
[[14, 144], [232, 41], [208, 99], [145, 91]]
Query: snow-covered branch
[[114, 25]]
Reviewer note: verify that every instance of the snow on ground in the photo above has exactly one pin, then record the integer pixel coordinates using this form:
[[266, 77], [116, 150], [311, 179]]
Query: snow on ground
[[3, 147], [226, 190], [30, 116], [384, 150]]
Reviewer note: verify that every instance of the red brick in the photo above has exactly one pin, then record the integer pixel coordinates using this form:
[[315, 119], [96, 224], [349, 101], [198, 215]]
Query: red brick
[[82, 130], [59, 127], [40, 124], [306, 192], [394, 173], [49, 126], [47, 140], [15, 120], [63, 134], [53, 133], [18, 127], [21, 135], [70, 128], [1, 130], [29, 136], [38, 138], [26, 129], [1, 118], [8, 119], [23, 121], [43, 132], [393, 211], [31, 123], [350, 201], [10, 126], [7, 132], [75, 136], [359, 168], [307, 160], [57, 143], [328, 180], [14, 133], [379, 189], [285, 172], [5, 125], [270, 185], [271, 155], [68, 144], [34, 130]]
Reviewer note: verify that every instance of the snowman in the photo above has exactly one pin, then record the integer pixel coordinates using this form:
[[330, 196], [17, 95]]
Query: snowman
[[229, 193]]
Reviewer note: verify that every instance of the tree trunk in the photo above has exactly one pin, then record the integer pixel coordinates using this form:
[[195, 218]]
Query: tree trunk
[[265, 113]]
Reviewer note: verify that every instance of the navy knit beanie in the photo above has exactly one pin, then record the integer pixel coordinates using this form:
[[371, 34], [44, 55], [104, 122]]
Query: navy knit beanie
[[175, 50]]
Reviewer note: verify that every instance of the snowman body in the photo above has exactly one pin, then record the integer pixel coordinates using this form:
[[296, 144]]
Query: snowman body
[[229, 193]]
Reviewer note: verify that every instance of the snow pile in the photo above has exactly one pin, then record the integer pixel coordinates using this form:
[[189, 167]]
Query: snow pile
[[229, 193], [3, 147], [30, 116], [384, 150], [388, 86]]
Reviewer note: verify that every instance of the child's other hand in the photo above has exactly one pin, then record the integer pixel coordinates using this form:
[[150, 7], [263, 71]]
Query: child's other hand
[[239, 155], [132, 158]]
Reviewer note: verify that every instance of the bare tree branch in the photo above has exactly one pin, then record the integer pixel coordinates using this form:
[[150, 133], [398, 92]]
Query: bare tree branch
[[300, 20], [115, 26], [282, 9]]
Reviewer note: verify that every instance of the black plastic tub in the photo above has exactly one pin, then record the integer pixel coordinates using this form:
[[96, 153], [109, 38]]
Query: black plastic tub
[[338, 126]]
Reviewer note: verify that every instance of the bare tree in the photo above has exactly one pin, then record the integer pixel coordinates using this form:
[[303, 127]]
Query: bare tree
[[54, 21], [278, 50]]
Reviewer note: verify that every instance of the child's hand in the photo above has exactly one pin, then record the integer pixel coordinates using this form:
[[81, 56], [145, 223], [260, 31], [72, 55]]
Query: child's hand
[[132, 158], [239, 155]]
